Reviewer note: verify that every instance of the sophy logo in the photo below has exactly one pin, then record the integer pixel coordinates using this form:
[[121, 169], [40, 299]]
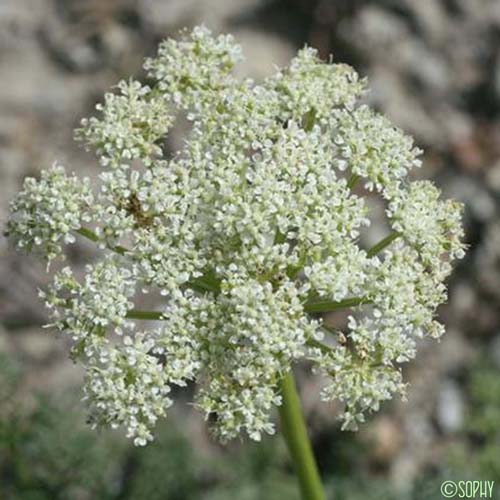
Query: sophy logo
[[467, 489]]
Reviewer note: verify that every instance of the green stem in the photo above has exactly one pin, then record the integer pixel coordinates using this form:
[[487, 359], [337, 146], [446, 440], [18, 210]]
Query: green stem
[[147, 315], [87, 233], [352, 181], [90, 235], [375, 249], [316, 343], [321, 306], [295, 434], [313, 307]]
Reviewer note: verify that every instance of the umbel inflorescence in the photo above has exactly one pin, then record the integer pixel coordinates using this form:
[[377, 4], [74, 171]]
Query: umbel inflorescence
[[248, 231]]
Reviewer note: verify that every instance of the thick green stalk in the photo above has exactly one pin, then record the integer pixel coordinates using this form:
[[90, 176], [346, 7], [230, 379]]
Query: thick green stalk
[[295, 433]]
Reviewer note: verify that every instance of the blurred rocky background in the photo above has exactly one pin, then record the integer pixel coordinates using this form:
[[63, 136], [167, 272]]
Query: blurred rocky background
[[434, 68]]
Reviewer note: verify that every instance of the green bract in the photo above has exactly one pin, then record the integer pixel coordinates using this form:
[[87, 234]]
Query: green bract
[[247, 230]]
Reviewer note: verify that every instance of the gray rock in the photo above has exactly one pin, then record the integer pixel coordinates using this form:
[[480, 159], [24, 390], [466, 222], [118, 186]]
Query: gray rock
[[450, 407]]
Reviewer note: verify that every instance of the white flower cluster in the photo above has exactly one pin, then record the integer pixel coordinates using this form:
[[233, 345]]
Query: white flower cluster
[[257, 331], [372, 148], [431, 226], [188, 70], [132, 124], [129, 387], [247, 232], [312, 90], [85, 311], [46, 211]]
